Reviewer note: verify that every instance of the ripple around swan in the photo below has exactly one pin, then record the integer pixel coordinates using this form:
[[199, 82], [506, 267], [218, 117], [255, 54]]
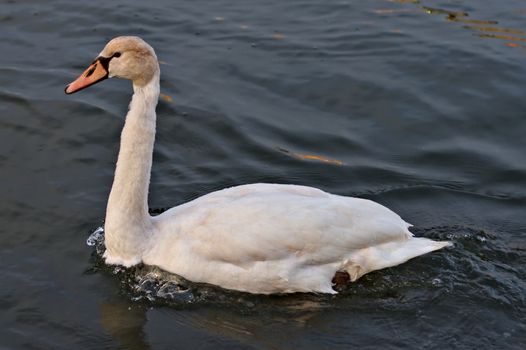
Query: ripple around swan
[[479, 270], [473, 268]]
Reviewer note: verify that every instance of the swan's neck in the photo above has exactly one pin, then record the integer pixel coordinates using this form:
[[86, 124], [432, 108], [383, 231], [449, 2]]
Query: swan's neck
[[128, 223]]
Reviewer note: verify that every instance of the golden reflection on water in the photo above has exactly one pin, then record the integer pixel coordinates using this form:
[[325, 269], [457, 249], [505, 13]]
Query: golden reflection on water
[[386, 11], [438, 11], [165, 97], [488, 27], [515, 45], [312, 157], [503, 37], [454, 18], [278, 36], [495, 29]]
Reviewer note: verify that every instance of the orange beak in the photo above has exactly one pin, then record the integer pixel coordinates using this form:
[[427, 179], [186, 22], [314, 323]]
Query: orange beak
[[96, 72]]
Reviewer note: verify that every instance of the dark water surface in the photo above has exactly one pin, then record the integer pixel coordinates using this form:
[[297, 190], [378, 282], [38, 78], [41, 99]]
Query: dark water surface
[[417, 105]]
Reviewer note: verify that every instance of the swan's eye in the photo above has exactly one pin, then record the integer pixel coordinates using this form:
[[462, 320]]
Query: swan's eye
[[117, 54]]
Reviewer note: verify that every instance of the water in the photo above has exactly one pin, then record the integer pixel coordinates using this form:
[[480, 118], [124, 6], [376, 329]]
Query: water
[[418, 105]]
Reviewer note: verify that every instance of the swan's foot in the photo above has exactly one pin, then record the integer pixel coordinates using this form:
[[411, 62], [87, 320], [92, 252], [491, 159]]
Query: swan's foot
[[340, 280]]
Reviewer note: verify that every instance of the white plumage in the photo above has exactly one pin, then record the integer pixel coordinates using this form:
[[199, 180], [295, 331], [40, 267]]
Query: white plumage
[[259, 238]]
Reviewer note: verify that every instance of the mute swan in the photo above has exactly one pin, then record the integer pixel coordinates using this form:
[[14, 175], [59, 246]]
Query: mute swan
[[258, 238]]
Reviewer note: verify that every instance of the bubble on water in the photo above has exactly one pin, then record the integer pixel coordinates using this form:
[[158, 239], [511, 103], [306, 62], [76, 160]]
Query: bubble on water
[[175, 292], [437, 282], [157, 284]]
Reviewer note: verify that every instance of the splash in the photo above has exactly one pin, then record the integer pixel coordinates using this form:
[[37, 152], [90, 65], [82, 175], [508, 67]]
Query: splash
[[155, 286], [150, 284], [96, 239]]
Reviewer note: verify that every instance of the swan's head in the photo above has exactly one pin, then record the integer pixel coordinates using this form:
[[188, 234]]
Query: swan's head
[[127, 57]]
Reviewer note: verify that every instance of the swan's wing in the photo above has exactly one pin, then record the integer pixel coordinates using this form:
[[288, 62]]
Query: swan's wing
[[263, 222]]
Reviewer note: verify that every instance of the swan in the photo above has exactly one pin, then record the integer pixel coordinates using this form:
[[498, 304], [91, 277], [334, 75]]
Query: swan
[[258, 238]]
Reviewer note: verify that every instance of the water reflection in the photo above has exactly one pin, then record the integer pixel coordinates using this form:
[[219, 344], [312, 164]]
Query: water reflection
[[125, 323], [311, 157], [461, 16], [439, 11], [246, 329], [502, 37], [454, 18]]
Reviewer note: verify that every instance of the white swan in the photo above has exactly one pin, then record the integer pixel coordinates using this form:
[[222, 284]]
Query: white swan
[[259, 238]]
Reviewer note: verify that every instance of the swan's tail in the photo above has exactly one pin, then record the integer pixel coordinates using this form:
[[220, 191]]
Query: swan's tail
[[391, 254]]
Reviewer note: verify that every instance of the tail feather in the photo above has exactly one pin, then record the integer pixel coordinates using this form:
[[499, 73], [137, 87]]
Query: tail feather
[[392, 254]]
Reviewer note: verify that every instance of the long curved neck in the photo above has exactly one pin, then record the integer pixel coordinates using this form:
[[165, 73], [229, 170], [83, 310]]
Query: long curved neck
[[127, 211]]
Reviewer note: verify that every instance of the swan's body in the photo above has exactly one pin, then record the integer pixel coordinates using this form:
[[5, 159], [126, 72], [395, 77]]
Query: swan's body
[[259, 238]]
